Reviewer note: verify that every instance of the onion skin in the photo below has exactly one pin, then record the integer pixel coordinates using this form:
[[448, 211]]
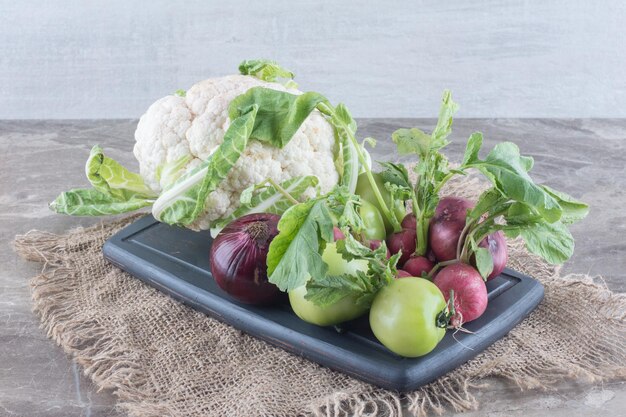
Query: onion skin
[[338, 234], [446, 226], [238, 258], [496, 244]]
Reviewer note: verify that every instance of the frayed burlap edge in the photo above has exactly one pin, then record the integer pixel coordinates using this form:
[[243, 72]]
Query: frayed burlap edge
[[591, 315]]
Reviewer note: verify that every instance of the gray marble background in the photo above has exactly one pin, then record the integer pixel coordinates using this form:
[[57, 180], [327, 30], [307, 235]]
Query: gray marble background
[[112, 59]]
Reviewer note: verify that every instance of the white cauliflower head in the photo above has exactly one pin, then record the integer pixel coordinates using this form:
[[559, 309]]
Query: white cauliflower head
[[193, 126]]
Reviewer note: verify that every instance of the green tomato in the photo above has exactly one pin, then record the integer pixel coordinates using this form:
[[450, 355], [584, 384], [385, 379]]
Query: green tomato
[[373, 220], [406, 316], [364, 190], [343, 310]]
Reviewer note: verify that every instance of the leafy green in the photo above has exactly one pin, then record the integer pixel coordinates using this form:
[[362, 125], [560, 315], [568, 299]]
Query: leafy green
[[295, 253], [345, 128], [92, 202], [116, 190], [484, 261], [180, 93], [329, 289], [279, 114], [111, 178], [573, 210], [363, 286], [432, 168], [508, 171], [264, 69], [552, 241], [268, 200], [168, 173], [184, 201]]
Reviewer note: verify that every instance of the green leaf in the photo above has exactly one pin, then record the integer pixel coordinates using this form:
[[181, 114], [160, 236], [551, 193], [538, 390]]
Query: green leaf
[[573, 210], [349, 167], [412, 141], [474, 143], [329, 289], [506, 168], [490, 201], [279, 114], [444, 122], [484, 261], [169, 173], [180, 93], [395, 174], [109, 177], [295, 253], [552, 241], [92, 202], [270, 200], [264, 69], [184, 201]]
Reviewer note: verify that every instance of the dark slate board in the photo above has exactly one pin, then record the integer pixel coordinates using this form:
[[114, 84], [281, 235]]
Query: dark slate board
[[176, 261]]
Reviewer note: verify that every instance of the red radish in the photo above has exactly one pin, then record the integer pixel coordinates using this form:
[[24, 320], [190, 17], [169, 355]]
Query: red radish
[[446, 226], [402, 241], [418, 266], [470, 292], [409, 221], [375, 244], [338, 234], [496, 243], [403, 274]]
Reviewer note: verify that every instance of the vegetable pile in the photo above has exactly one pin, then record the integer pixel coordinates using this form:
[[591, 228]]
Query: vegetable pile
[[340, 239]]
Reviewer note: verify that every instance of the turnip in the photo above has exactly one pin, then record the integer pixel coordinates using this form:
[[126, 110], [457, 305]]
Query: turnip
[[404, 241], [446, 226], [338, 234], [403, 274], [409, 221], [375, 244], [470, 292], [418, 266], [496, 244]]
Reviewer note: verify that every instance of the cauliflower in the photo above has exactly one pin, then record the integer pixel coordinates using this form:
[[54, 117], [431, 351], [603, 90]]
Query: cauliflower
[[191, 127], [199, 150]]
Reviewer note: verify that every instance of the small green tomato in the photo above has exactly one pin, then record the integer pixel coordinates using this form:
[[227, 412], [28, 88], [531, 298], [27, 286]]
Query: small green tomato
[[343, 310], [408, 316]]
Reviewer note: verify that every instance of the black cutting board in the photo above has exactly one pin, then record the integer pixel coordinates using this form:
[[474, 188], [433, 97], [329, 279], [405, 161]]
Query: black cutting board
[[176, 261]]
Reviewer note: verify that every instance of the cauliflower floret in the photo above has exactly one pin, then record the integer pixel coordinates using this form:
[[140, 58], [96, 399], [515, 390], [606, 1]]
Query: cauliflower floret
[[194, 126]]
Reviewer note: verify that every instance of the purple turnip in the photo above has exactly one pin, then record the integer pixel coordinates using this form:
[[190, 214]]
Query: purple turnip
[[470, 292], [446, 226], [418, 266], [496, 244], [404, 241]]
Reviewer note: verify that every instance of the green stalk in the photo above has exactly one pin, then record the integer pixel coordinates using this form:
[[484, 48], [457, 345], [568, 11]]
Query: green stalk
[[431, 274], [282, 191], [443, 182], [324, 108]]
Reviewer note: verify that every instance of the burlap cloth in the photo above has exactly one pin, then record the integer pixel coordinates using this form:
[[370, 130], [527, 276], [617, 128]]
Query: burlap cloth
[[162, 358]]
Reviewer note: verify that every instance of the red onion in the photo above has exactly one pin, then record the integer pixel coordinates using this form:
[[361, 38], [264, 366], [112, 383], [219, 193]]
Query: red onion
[[238, 258]]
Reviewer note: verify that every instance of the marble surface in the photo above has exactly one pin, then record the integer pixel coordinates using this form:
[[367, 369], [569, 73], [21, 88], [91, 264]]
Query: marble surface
[[38, 159]]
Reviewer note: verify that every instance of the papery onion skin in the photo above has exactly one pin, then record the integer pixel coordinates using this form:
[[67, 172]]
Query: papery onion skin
[[238, 258]]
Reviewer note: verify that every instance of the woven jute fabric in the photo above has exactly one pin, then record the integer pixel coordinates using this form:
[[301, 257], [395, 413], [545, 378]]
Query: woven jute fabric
[[162, 358]]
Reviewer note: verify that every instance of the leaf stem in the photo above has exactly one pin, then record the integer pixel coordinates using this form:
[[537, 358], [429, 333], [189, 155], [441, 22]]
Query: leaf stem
[[328, 110], [282, 191], [440, 265]]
